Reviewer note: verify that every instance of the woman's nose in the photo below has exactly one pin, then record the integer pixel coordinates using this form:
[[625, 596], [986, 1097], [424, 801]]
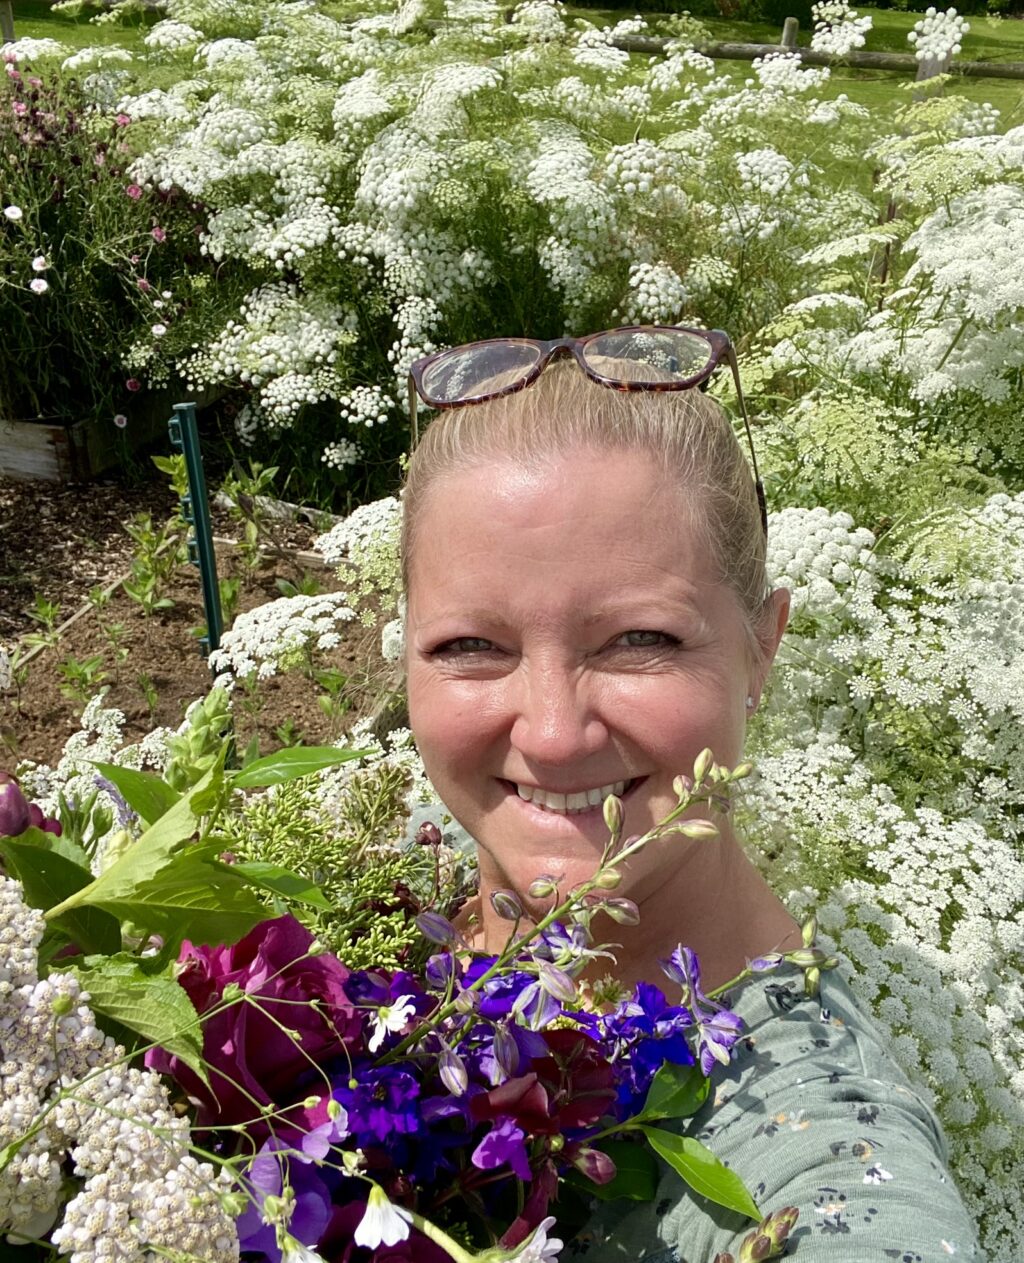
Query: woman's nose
[[555, 721]]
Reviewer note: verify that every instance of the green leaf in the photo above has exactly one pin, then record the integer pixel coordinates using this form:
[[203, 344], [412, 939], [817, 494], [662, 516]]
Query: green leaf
[[144, 792], [48, 878], [63, 845], [636, 1173], [704, 1173], [153, 1006], [675, 1092], [188, 898], [281, 881], [252, 750], [290, 764], [144, 859]]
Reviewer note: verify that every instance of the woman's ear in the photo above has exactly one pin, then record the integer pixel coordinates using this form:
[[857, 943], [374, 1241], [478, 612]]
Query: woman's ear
[[771, 625]]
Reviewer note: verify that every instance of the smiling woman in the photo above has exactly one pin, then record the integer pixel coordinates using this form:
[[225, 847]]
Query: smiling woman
[[587, 611]]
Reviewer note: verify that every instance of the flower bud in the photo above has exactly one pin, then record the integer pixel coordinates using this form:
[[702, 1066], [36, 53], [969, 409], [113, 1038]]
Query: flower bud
[[334, 1109], [622, 911], [556, 982], [311, 1102], [14, 810], [701, 830], [598, 1167], [607, 879], [613, 814], [428, 834], [507, 905], [805, 957], [702, 765], [506, 1050], [544, 886], [62, 1005], [812, 981], [809, 931], [741, 771], [436, 928], [453, 1073]]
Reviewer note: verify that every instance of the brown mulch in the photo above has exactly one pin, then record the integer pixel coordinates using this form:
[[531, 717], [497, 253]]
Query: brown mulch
[[61, 542]]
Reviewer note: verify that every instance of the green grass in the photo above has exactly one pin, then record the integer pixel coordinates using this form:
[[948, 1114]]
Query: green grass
[[33, 19]]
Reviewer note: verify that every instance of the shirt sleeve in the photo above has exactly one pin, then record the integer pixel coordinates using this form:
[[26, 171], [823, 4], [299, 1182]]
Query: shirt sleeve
[[813, 1113]]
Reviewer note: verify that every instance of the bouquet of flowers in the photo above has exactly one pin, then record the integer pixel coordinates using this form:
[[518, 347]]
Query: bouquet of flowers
[[187, 1073]]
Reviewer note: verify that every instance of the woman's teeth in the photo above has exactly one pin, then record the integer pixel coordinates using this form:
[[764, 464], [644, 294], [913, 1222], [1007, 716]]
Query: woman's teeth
[[569, 803]]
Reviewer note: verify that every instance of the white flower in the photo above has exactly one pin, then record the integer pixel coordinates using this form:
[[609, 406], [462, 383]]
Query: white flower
[[541, 1248], [390, 1018], [39, 263], [39, 286], [13, 212], [384, 1223], [158, 331], [294, 1251]]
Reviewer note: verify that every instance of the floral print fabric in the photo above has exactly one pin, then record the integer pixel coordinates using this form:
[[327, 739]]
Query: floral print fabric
[[813, 1113]]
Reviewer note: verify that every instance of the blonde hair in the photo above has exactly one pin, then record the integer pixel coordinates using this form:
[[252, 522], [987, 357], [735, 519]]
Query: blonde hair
[[686, 433]]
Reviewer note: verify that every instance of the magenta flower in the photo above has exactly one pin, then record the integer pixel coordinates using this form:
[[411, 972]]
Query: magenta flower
[[122, 120], [14, 812], [259, 1050], [133, 384], [143, 284], [134, 192]]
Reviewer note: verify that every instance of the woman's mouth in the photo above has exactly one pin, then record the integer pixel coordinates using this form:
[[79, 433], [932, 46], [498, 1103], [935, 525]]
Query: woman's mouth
[[574, 803]]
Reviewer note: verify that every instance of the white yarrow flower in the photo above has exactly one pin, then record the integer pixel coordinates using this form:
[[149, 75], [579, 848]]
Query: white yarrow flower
[[384, 1223], [390, 1018]]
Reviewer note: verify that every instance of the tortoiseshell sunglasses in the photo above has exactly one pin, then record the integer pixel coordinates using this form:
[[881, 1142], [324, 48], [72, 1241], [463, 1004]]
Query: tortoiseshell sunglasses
[[680, 359]]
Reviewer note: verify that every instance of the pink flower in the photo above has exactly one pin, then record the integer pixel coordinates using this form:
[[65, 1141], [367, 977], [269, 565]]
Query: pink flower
[[133, 384], [122, 120], [19, 107], [159, 234], [143, 284], [134, 191], [250, 1056], [38, 285], [35, 81], [120, 420], [99, 159]]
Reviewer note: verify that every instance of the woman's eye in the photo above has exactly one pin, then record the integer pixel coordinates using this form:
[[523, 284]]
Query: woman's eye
[[647, 640], [464, 645]]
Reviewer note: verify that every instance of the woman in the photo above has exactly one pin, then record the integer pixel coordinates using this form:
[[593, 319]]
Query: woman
[[587, 610]]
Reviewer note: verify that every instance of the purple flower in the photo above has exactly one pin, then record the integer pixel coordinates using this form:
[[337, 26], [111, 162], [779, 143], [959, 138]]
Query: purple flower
[[645, 1032], [504, 1144], [717, 1028], [14, 813], [383, 1102], [126, 817], [265, 1178]]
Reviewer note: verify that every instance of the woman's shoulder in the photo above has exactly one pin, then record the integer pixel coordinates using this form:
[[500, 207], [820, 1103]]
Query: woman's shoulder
[[811, 1112]]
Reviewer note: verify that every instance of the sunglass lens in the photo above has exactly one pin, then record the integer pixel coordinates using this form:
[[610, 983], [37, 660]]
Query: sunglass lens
[[655, 355], [473, 372]]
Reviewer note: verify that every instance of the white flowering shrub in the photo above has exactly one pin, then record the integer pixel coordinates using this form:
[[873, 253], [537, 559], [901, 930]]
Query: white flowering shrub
[[137, 1192], [280, 634], [890, 757]]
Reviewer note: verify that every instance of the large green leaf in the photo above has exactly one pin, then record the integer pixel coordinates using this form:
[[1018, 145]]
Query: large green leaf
[[144, 792], [188, 898], [48, 878], [636, 1173], [144, 859], [675, 1092], [704, 1173], [154, 1006], [281, 881], [290, 764]]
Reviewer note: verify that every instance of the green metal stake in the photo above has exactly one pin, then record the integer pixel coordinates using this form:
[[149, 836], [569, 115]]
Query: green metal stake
[[195, 509]]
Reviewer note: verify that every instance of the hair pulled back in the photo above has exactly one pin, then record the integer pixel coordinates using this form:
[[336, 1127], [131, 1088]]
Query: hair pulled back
[[687, 434]]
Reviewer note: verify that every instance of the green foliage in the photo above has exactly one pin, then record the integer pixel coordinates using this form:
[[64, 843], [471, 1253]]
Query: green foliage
[[702, 1171], [193, 752], [371, 885], [82, 676], [157, 555]]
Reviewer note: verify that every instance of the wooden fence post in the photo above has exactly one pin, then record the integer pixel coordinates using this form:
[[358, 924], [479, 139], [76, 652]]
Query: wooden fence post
[[7, 21], [789, 32]]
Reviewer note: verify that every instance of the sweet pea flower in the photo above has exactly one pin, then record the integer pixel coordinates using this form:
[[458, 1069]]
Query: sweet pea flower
[[39, 286]]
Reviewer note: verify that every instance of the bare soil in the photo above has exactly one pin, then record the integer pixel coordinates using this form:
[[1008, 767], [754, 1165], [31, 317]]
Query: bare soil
[[61, 542]]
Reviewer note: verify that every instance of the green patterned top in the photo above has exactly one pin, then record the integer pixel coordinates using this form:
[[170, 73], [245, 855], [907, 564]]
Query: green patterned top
[[812, 1112]]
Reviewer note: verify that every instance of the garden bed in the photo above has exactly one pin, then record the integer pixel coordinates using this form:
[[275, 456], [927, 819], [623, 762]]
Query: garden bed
[[62, 545]]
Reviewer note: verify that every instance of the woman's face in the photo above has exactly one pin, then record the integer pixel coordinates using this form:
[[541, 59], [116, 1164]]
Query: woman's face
[[567, 639]]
